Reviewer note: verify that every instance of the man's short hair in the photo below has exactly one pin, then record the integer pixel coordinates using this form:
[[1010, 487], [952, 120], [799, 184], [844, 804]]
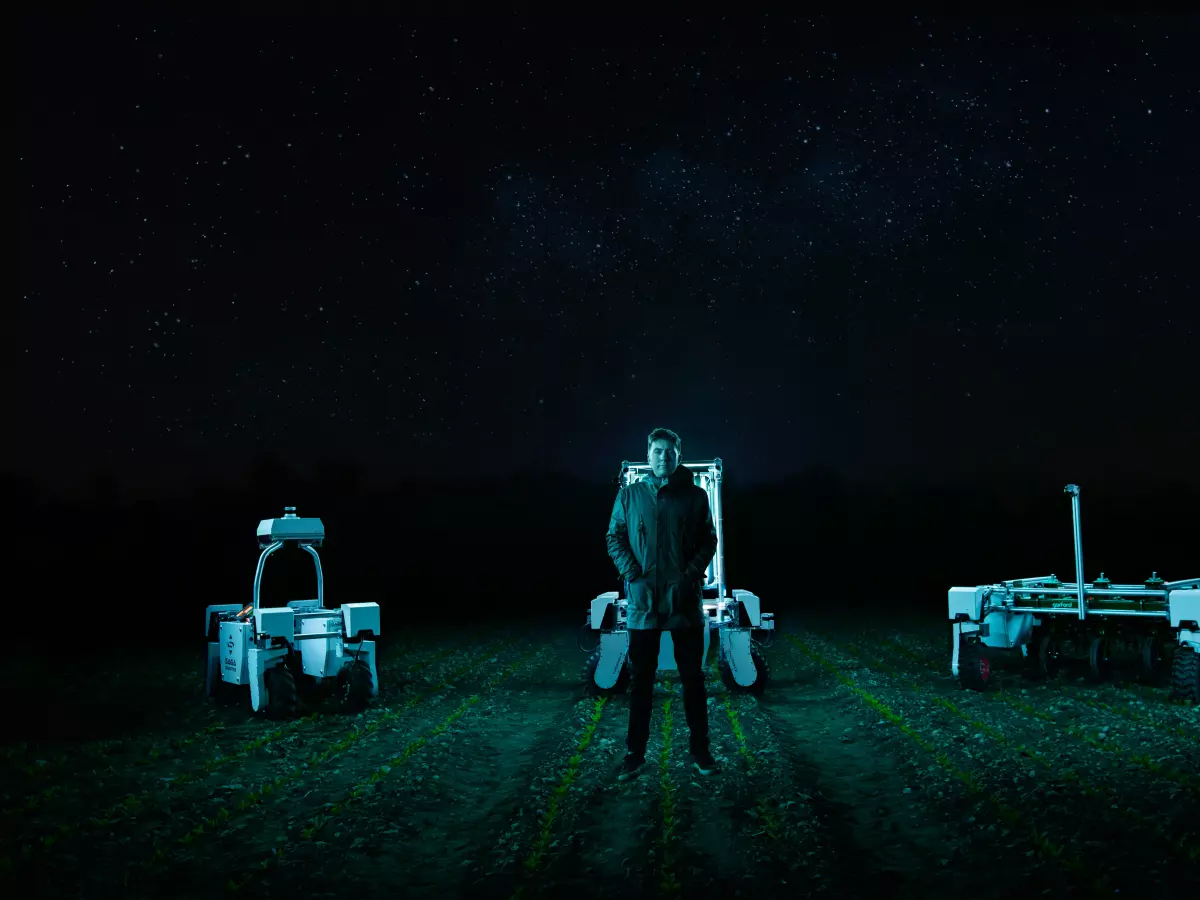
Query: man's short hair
[[664, 434]]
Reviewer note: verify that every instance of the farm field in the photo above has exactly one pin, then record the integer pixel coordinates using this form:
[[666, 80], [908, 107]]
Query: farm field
[[483, 770]]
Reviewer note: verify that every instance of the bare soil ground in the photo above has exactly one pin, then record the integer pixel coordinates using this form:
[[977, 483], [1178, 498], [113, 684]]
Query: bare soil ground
[[483, 771]]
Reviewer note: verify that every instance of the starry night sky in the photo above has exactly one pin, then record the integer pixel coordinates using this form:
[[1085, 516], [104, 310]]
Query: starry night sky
[[910, 245]]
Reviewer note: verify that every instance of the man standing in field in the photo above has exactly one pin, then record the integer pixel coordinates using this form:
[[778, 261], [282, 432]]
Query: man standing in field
[[661, 537]]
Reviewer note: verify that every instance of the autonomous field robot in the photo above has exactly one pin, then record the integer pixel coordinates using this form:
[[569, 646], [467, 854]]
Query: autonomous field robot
[[1155, 624], [274, 651], [742, 630]]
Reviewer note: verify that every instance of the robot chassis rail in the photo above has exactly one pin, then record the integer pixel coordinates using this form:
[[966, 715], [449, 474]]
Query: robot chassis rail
[[269, 649], [735, 616], [1098, 622]]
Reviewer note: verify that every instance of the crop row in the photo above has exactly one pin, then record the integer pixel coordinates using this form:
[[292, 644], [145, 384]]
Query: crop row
[[664, 849], [1184, 843], [220, 823], [1042, 844], [785, 836], [156, 751], [317, 823], [668, 878], [1161, 700], [129, 807], [37, 758], [36, 799], [536, 857], [764, 812], [26, 758], [1101, 740]]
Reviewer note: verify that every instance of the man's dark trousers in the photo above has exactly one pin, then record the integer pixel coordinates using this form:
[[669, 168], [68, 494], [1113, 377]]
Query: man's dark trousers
[[643, 659]]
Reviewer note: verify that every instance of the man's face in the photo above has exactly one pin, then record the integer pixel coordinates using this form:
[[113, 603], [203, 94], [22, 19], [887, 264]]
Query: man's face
[[663, 457]]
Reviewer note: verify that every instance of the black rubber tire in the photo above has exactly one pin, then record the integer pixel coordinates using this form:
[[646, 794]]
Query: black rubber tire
[[281, 692], [765, 642], [762, 674], [1048, 660], [1185, 675], [1099, 665], [974, 666], [306, 685], [358, 687], [224, 693], [204, 673], [587, 627], [1152, 657], [589, 677]]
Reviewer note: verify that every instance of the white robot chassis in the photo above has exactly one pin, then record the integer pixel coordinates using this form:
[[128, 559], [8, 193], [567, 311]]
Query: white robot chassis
[[735, 616], [1097, 622], [271, 650]]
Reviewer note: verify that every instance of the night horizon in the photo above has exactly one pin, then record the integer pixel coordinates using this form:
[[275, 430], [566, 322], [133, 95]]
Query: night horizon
[[930, 246]]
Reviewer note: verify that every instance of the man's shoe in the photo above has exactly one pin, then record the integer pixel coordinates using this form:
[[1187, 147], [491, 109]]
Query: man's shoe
[[705, 763], [630, 766]]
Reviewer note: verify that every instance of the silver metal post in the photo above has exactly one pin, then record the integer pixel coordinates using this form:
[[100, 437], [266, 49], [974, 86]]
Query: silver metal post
[[717, 516], [1073, 490], [258, 572], [320, 575], [1128, 592]]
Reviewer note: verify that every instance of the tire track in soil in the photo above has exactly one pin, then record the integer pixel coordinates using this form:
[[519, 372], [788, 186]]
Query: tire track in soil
[[1089, 729], [723, 850], [778, 840], [185, 715], [611, 849], [884, 829], [120, 774], [427, 830], [874, 830], [1172, 717], [245, 848], [1180, 742], [709, 809], [715, 814], [515, 823], [1094, 839], [106, 857], [117, 783], [597, 769], [1104, 803], [790, 852]]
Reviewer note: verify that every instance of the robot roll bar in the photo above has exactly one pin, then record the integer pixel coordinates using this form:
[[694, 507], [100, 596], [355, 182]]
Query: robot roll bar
[[320, 574], [307, 533], [262, 560]]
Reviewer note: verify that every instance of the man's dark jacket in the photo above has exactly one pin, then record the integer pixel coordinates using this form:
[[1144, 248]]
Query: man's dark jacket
[[661, 537]]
